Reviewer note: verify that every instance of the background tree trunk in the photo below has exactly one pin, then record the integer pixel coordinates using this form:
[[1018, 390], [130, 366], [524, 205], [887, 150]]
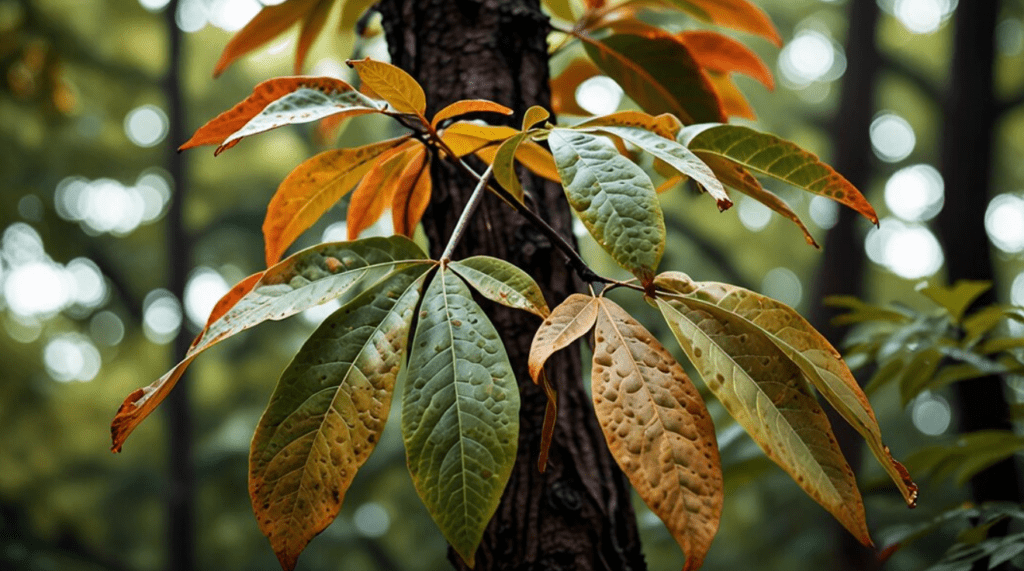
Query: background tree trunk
[[577, 515]]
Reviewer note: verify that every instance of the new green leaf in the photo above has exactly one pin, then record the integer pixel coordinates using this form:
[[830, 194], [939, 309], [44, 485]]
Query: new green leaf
[[328, 412], [460, 413], [614, 198]]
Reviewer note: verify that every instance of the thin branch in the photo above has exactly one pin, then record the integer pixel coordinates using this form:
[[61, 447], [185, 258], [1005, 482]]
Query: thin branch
[[460, 226]]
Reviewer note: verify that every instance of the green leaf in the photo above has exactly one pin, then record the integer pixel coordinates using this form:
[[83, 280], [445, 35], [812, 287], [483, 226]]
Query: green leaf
[[339, 270], [768, 395], [805, 347], [614, 198], [675, 155], [659, 73], [505, 165], [328, 412], [460, 413], [958, 297], [968, 455], [777, 158], [502, 282]]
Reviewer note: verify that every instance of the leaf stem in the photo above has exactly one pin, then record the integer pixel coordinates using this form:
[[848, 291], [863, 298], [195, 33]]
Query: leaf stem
[[460, 226]]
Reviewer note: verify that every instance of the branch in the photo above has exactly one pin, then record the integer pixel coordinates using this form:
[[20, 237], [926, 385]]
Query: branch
[[460, 226]]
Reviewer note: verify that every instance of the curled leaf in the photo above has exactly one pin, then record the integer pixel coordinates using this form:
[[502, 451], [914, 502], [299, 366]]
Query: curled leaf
[[572, 319]]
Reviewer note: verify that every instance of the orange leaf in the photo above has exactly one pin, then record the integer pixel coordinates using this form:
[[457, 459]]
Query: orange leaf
[[572, 319], [733, 100], [658, 429], [392, 84], [736, 14], [469, 106], [466, 138], [278, 102], [311, 27], [412, 195], [267, 25], [563, 87], [665, 125], [312, 188], [722, 54], [377, 188]]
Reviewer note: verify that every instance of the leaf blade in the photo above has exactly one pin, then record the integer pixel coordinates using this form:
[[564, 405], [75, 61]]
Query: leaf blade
[[377, 189], [392, 84], [467, 106], [269, 22], [502, 282], [736, 14], [569, 321]]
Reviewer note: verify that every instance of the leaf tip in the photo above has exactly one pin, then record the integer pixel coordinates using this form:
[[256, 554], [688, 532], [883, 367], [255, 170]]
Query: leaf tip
[[287, 559], [724, 204]]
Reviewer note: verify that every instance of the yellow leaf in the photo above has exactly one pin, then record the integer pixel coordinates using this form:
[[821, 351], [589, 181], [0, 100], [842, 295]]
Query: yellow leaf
[[377, 188], [469, 106], [393, 85], [467, 138], [657, 429], [312, 188], [534, 115], [567, 323]]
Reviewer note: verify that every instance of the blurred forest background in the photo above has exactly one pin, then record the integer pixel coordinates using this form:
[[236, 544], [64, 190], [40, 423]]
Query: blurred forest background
[[114, 249]]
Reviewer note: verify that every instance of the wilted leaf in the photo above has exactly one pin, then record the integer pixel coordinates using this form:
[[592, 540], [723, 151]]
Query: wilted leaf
[[658, 72], [282, 101], [412, 195], [392, 84], [377, 189], [614, 198], [469, 106], [312, 25], [676, 156], [736, 14], [563, 87], [306, 279], [328, 412], [502, 282], [572, 319], [778, 158], [460, 413], [722, 54], [270, 22], [768, 395], [312, 188], [808, 349], [657, 429]]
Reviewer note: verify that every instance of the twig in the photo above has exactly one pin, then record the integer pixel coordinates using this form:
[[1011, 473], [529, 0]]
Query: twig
[[460, 226]]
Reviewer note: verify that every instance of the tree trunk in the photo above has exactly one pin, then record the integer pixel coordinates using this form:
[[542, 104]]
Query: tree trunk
[[966, 166], [576, 515], [842, 270]]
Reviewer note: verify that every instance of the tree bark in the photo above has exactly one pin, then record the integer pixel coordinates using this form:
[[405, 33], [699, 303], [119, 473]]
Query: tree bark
[[842, 270], [966, 163], [576, 515]]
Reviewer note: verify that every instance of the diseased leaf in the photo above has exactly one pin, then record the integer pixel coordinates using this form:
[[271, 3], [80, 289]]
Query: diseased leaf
[[614, 198], [460, 413], [312, 25], [377, 189], [228, 300], [676, 156], [572, 319], [270, 22], [736, 14], [722, 54], [412, 195], [805, 347], [666, 125], [768, 395], [657, 429], [312, 188], [308, 278], [282, 101], [328, 413], [778, 158], [502, 282], [392, 84], [563, 87], [738, 178], [658, 72], [469, 106]]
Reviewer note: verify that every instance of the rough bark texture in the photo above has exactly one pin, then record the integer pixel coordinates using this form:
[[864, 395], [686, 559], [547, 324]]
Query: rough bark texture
[[842, 270], [966, 166], [577, 515]]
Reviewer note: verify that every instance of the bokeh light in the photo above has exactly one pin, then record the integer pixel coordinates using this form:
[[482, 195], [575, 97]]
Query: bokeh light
[[931, 414], [922, 16], [71, 357], [824, 212], [192, 15], [599, 95], [783, 285], [1017, 290], [915, 193], [1010, 36], [892, 137], [1004, 222], [337, 232], [811, 56], [154, 5], [161, 316], [232, 15], [754, 215], [371, 520], [146, 125], [106, 206], [204, 288], [106, 328], [910, 251]]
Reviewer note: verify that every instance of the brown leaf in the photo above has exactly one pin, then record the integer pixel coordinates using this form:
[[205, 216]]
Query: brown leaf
[[312, 188], [658, 430], [412, 195], [392, 84], [269, 23], [377, 188], [550, 417], [723, 54], [334, 98], [312, 25], [572, 319]]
